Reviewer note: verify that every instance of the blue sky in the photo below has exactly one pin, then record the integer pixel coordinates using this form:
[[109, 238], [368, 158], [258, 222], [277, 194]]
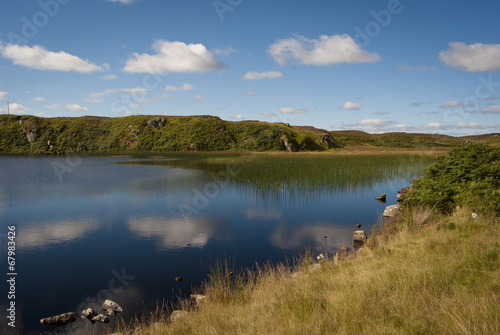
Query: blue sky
[[415, 66]]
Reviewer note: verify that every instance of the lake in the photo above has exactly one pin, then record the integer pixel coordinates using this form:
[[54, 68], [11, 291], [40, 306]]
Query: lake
[[124, 227]]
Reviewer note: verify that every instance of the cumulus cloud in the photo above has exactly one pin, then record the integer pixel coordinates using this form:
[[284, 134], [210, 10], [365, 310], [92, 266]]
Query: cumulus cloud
[[238, 116], [199, 97], [174, 57], [71, 107], [351, 105], [375, 123], [290, 110], [109, 77], [95, 96], [420, 103], [39, 99], [15, 108], [262, 75], [472, 58], [223, 52], [184, 87], [430, 126], [326, 50], [495, 109], [247, 92], [2, 94], [471, 125], [423, 68], [37, 57]]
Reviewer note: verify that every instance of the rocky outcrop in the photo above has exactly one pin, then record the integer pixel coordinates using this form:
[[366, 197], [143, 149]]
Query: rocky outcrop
[[289, 145], [59, 320], [156, 123], [390, 212], [30, 136]]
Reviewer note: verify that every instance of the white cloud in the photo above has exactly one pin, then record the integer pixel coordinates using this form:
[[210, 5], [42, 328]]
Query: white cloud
[[199, 97], [247, 92], [39, 99], [267, 114], [423, 68], [430, 126], [76, 108], [495, 109], [420, 103], [2, 94], [37, 57], [472, 58], [109, 77], [95, 96], [71, 107], [452, 103], [472, 125], [351, 105], [223, 52], [290, 110], [184, 87], [327, 50], [375, 123], [126, 2], [15, 108], [238, 117], [174, 57], [262, 75]]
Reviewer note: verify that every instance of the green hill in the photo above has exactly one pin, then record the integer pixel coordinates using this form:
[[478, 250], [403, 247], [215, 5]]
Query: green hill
[[141, 133]]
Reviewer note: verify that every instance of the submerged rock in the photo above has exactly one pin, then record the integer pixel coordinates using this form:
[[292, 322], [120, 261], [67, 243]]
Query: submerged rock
[[111, 307], [59, 320]]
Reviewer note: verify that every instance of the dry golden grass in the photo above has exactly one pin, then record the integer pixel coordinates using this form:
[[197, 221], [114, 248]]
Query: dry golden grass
[[427, 275]]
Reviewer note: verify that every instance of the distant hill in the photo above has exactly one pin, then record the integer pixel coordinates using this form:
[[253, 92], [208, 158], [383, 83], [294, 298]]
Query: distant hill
[[140, 133]]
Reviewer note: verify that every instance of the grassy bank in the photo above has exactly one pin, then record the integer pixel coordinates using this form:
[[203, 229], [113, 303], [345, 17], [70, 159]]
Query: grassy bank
[[428, 274], [430, 271]]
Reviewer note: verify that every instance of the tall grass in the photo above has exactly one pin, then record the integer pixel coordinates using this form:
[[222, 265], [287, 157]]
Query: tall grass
[[426, 275]]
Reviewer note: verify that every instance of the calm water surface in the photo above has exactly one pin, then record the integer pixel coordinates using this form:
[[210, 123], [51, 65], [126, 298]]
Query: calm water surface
[[88, 229]]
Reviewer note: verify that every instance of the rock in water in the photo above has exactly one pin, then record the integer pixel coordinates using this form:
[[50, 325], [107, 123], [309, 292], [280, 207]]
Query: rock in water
[[100, 318], [359, 239], [88, 314], [178, 279], [381, 198], [358, 225], [111, 307], [59, 320]]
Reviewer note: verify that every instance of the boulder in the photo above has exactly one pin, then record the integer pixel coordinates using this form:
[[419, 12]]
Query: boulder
[[59, 320], [88, 314], [156, 123], [177, 315], [289, 145], [198, 299], [30, 136], [390, 212], [359, 239], [111, 307], [382, 198], [100, 318]]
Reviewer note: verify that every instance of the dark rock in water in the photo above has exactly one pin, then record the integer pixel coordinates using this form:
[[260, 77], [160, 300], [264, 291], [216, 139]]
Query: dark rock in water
[[359, 239], [358, 225], [178, 279], [100, 318], [88, 314], [382, 198], [59, 320], [111, 307]]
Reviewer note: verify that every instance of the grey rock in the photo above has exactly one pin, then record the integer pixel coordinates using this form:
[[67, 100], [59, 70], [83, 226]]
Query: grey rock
[[100, 318], [88, 314], [111, 307], [359, 239], [59, 320]]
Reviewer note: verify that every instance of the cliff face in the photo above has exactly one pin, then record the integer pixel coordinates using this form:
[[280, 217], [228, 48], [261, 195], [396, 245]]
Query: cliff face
[[30, 134]]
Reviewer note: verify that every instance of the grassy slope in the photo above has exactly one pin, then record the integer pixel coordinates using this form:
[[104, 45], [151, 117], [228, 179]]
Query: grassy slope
[[427, 275], [192, 133]]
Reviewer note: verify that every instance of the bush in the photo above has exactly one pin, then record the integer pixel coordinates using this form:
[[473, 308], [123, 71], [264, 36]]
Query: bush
[[469, 175]]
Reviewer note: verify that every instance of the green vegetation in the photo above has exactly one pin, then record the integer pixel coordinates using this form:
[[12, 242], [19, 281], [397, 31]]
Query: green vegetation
[[466, 176], [147, 133], [426, 272]]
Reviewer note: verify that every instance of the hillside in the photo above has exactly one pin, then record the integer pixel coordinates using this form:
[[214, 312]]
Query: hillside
[[140, 133]]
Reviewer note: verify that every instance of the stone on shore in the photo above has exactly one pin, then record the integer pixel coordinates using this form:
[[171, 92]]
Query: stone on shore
[[390, 212], [100, 318], [359, 239], [59, 320], [111, 307], [177, 315]]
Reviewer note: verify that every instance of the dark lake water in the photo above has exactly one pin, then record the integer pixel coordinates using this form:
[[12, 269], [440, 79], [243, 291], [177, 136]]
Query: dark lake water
[[88, 229]]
